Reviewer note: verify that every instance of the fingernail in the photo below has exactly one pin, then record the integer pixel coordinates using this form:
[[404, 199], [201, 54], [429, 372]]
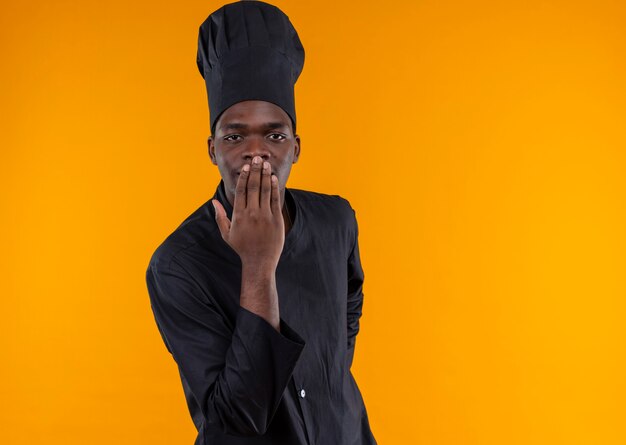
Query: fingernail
[[266, 165], [246, 167], [256, 159]]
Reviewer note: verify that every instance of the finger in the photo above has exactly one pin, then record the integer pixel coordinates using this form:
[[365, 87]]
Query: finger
[[254, 184], [276, 210], [266, 187], [223, 223], [240, 189]]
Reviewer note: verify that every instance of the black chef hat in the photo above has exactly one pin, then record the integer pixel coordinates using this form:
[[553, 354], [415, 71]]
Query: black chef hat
[[249, 50]]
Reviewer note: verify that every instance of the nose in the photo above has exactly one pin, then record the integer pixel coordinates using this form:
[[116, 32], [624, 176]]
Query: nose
[[256, 147]]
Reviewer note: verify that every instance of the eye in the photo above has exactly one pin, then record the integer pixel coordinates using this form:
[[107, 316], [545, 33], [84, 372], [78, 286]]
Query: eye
[[231, 137], [277, 136]]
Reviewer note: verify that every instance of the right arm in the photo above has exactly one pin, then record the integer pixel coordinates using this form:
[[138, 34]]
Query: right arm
[[237, 376], [257, 234]]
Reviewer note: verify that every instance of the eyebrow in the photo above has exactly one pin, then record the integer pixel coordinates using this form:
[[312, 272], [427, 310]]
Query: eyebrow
[[242, 126]]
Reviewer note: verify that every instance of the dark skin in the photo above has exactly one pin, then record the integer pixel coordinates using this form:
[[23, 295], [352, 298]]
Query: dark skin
[[247, 132]]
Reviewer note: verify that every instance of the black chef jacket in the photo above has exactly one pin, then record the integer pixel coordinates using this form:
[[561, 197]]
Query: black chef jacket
[[245, 382]]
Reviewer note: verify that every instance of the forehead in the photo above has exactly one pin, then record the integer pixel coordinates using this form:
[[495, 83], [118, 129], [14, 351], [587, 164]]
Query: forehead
[[253, 113]]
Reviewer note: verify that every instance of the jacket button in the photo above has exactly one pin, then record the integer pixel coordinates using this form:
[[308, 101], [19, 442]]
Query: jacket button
[[302, 393]]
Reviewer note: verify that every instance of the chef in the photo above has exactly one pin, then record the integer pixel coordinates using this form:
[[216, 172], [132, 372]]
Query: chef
[[258, 293]]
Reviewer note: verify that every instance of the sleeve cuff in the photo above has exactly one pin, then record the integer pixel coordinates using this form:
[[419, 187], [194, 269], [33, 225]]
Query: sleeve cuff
[[254, 324]]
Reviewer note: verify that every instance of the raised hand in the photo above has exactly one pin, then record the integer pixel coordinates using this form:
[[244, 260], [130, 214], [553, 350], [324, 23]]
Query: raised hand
[[257, 229]]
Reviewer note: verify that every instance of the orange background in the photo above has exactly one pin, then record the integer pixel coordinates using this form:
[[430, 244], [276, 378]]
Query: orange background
[[481, 143]]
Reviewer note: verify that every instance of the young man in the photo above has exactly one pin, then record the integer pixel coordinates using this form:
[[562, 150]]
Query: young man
[[258, 293]]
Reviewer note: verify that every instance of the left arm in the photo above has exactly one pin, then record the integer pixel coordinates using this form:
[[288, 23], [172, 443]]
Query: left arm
[[355, 292]]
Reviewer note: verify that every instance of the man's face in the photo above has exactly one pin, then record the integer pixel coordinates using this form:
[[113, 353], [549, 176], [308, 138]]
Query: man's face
[[253, 128]]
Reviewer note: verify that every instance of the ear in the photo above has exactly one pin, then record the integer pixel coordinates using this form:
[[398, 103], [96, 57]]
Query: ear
[[211, 144], [296, 149]]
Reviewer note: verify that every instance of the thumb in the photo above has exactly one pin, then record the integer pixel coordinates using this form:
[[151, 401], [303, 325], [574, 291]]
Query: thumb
[[223, 223]]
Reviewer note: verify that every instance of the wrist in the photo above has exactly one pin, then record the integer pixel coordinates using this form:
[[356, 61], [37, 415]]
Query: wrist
[[258, 269]]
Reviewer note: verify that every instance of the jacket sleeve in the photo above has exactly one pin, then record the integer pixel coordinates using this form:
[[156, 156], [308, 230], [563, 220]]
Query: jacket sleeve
[[355, 292], [237, 375]]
